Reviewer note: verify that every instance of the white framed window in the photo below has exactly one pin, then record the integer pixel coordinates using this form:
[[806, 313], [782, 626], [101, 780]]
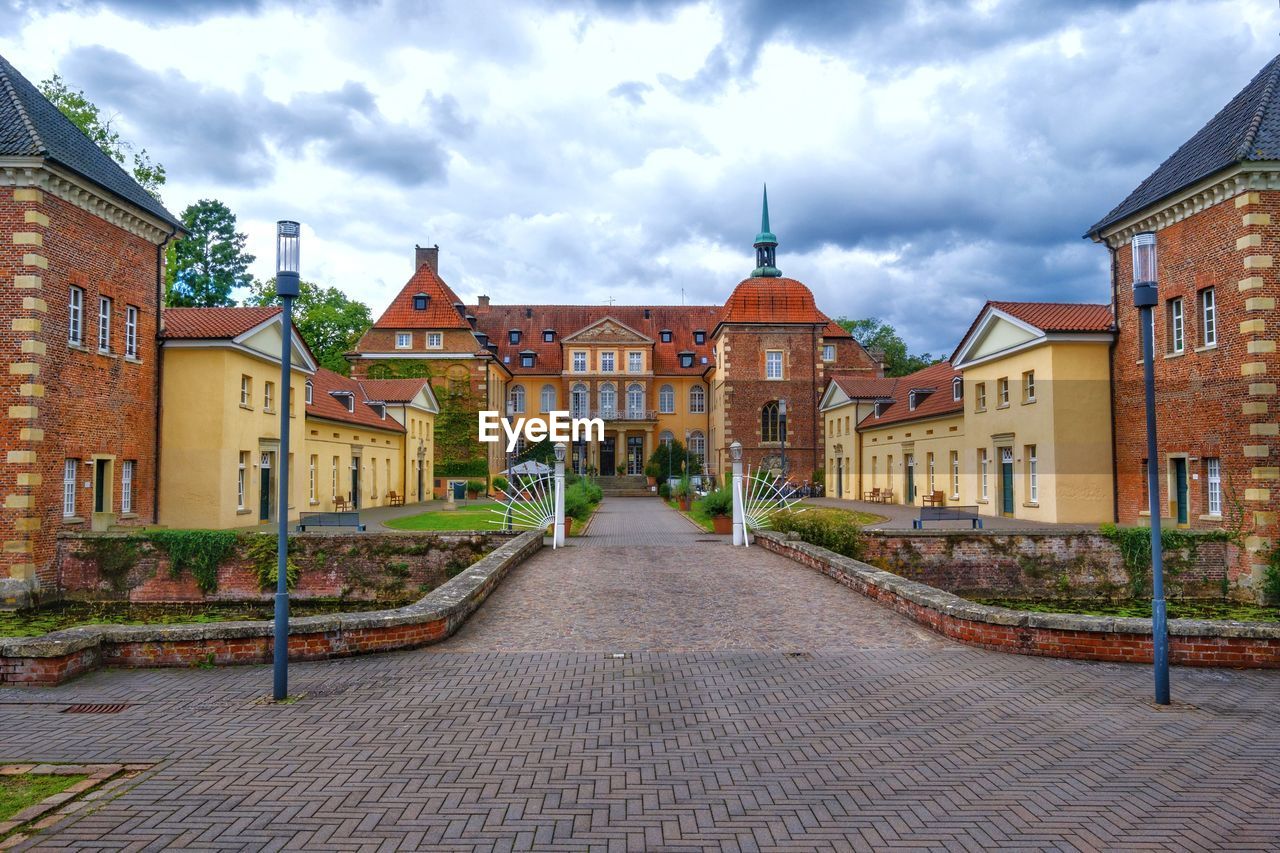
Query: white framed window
[[268, 395], [350, 401], [698, 448], [955, 475], [697, 400], [515, 399], [333, 479], [1033, 474], [75, 316], [241, 477], [126, 485], [308, 392], [608, 400], [578, 400], [435, 340], [773, 364], [70, 468], [828, 352], [104, 324], [131, 331], [246, 391], [315, 460], [666, 400], [957, 389], [1208, 317], [606, 362], [1002, 391], [404, 340], [982, 471], [1029, 387], [1213, 484], [635, 362], [579, 361], [980, 397], [635, 401], [930, 460], [1176, 343], [548, 398]]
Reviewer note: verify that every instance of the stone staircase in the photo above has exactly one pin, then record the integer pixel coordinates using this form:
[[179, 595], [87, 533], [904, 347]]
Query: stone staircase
[[631, 486]]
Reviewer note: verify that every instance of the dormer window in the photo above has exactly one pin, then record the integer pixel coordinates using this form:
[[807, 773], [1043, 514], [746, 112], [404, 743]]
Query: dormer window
[[916, 397], [379, 409], [513, 336], [880, 406], [665, 336], [527, 358], [309, 392], [957, 389], [548, 336], [346, 398], [420, 301], [911, 401], [700, 337], [686, 359]]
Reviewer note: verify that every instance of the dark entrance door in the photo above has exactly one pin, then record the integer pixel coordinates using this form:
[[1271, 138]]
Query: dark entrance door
[[355, 483], [910, 464], [1006, 481], [264, 490], [840, 477], [635, 454], [99, 485], [1180, 483], [607, 464], [420, 475]]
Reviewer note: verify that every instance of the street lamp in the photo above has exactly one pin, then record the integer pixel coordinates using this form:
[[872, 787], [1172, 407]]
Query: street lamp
[[287, 287], [1144, 299], [782, 437]]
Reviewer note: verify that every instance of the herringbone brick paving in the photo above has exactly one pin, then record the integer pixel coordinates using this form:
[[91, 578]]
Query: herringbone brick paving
[[939, 747]]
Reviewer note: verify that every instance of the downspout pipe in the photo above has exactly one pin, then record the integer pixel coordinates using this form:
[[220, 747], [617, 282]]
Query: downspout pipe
[[1111, 395], [155, 461]]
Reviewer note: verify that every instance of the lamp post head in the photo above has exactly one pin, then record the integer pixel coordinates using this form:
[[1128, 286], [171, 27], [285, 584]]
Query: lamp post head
[[782, 407], [1144, 269], [560, 451], [288, 234], [735, 451]]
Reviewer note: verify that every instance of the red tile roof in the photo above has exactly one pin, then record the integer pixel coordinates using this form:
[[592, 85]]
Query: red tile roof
[[439, 314], [1060, 316], [863, 387], [771, 300], [937, 377], [498, 321], [835, 330], [324, 405], [391, 390], [213, 323]]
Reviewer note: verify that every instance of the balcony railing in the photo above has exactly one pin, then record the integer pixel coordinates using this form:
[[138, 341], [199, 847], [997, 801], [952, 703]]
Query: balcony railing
[[613, 414]]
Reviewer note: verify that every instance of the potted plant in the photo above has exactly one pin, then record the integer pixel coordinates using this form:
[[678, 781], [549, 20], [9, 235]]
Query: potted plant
[[651, 472], [474, 488], [719, 505], [684, 492]]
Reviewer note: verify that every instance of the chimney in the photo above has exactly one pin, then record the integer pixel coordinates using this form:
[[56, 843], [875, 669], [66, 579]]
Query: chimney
[[482, 304], [429, 255]]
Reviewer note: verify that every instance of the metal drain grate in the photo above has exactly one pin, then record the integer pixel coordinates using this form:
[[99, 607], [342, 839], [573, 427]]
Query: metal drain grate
[[86, 708]]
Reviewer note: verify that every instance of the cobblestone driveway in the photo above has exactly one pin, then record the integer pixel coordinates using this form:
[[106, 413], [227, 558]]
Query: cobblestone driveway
[[840, 747]]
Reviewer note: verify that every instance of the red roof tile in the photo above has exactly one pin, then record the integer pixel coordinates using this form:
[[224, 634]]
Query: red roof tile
[[771, 300], [391, 390], [939, 402], [440, 312], [324, 405], [1060, 316], [835, 330], [213, 323], [863, 387]]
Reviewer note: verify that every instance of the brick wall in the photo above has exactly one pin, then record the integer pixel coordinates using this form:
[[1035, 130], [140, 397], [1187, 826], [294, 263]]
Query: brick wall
[[1216, 402], [362, 567], [63, 402], [1039, 565]]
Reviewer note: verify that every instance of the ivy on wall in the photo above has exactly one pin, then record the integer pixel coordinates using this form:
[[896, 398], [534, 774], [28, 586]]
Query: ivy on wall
[[197, 551]]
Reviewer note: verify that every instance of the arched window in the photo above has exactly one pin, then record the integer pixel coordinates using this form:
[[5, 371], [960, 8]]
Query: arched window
[[516, 399], [635, 400], [666, 437], [608, 400], [459, 379], [698, 448], [578, 400], [548, 398], [771, 423], [697, 400], [666, 400]]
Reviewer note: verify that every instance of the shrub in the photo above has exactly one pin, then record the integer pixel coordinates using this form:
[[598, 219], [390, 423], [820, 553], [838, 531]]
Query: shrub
[[830, 529], [500, 483], [652, 470], [719, 502], [466, 468], [580, 498], [263, 556], [475, 487], [683, 487], [664, 490]]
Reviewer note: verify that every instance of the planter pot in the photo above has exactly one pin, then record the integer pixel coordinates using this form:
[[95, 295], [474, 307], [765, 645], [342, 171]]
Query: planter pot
[[723, 524], [652, 481], [568, 525], [684, 504]]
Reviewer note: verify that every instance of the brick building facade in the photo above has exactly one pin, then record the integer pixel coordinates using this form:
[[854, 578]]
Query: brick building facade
[[81, 253], [1212, 206]]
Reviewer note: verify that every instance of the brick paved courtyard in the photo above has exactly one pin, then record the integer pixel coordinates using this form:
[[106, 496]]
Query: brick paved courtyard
[[760, 706]]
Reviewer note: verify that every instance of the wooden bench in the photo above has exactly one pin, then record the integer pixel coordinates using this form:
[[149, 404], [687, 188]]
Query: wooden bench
[[341, 504], [394, 500], [948, 513], [886, 496], [935, 499], [330, 519], [873, 495]]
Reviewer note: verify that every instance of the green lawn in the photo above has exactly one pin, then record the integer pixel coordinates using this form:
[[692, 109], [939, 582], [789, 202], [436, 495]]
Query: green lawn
[[471, 516], [696, 513], [27, 789], [702, 519]]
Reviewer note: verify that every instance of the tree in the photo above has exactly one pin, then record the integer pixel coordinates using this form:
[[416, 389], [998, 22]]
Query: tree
[[874, 333], [329, 322], [86, 115], [205, 266]]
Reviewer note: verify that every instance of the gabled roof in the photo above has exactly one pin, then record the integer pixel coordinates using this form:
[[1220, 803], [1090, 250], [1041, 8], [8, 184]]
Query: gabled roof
[[440, 312], [583, 333], [214, 323], [939, 402], [393, 390], [764, 299], [30, 126], [1038, 320], [325, 405], [865, 387], [1247, 128]]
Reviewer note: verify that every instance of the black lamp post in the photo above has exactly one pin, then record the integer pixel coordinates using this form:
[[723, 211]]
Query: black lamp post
[[1144, 299], [287, 287], [782, 438]]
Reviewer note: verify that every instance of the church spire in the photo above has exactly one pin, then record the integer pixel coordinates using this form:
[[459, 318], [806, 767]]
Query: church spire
[[765, 244]]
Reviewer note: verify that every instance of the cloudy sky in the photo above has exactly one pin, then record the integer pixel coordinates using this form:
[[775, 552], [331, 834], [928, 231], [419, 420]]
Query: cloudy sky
[[921, 156]]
